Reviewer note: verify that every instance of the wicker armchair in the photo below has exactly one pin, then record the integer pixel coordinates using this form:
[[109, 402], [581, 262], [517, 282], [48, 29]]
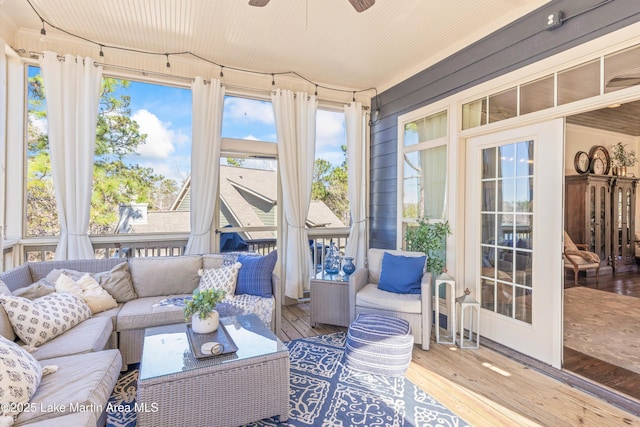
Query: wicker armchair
[[577, 258]]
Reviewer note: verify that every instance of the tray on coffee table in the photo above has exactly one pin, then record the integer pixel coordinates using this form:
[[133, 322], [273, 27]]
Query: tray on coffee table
[[219, 335]]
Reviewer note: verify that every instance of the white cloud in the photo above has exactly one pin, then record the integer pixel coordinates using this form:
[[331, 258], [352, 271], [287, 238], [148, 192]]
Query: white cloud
[[330, 126], [248, 109], [250, 138], [160, 138]]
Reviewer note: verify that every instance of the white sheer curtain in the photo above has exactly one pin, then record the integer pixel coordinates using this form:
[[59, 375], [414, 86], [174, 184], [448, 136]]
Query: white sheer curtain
[[207, 106], [72, 89], [295, 116], [354, 120]]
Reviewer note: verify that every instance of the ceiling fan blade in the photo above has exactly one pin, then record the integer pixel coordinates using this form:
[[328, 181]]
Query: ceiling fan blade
[[623, 81], [362, 5], [258, 3]]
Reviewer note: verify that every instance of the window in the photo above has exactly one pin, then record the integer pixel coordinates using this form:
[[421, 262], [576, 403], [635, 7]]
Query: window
[[424, 168], [142, 159]]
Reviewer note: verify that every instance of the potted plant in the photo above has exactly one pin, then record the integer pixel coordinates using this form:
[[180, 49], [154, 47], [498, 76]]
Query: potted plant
[[430, 238], [621, 158], [201, 308]]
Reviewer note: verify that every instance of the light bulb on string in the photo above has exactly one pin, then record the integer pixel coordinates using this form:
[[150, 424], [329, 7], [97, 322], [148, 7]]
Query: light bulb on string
[[168, 64], [43, 31], [101, 54]]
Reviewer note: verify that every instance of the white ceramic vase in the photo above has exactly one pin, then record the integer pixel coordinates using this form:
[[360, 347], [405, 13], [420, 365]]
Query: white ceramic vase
[[206, 325]]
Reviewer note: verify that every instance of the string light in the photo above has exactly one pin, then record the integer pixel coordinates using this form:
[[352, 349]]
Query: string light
[[316, 94], [43, 33], [354, 96], [221, 72]]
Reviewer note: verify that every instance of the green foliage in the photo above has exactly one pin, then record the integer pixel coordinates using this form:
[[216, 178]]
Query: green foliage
[[430, 238], [203, 303], [330, 185], [114, 181], [620, 156], [235, 161]]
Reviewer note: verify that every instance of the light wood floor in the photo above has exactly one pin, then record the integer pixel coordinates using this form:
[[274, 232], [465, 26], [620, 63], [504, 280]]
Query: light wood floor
[[484, 387]]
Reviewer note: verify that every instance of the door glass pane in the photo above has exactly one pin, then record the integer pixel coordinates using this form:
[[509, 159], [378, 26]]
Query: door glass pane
[[579, 82], [507, 228], [537, 95]]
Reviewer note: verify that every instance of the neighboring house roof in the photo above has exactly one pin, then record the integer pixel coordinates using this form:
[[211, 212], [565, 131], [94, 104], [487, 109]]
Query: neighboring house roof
[[248, 198]]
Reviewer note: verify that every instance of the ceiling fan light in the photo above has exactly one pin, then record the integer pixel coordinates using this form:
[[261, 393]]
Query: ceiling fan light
[[258, 3], [362, 5]]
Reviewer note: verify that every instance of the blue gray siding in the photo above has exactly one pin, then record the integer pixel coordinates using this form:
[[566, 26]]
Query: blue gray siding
[[520, 43]]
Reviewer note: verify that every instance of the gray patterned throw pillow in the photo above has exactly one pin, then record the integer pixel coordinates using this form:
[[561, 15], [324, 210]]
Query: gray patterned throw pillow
[[42, 319], [20, 375]]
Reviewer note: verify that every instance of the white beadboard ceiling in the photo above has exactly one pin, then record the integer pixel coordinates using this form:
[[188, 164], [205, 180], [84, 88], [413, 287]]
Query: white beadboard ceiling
[[326, 41]]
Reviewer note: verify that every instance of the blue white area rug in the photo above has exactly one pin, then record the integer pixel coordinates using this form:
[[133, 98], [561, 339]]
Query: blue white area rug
[[326, 393]]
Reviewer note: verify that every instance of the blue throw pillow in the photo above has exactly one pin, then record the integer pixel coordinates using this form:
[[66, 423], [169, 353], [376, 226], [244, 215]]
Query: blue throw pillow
[[254, 278], [401, 274]]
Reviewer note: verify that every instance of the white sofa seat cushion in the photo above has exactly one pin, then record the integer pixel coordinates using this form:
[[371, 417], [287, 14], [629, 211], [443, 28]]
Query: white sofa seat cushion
[[77, 419], [91, 335], [146, 312], [372, 297], [84, 380]]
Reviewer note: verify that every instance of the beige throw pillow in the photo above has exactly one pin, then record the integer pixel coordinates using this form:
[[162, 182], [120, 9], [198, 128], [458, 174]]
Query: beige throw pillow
[[89, 290], [116, 281]]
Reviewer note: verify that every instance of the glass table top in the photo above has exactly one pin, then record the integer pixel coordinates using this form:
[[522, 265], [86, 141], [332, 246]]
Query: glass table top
[[167, 349], [337, 277]]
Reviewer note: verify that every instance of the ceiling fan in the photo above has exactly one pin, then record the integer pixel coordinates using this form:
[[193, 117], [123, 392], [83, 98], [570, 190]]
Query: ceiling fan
[[358, 5]]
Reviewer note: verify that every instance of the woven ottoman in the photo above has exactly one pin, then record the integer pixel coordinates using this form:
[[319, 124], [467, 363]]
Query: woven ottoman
[[379, 345]]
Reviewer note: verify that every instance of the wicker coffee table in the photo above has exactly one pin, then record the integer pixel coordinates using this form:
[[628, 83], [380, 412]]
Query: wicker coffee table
[[175, 388]]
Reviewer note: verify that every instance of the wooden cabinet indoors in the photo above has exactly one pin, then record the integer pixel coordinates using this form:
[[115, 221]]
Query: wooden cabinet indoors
[[600, 212]]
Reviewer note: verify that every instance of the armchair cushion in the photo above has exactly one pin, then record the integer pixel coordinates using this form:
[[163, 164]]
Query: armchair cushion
[[372, 297], [401, 274]]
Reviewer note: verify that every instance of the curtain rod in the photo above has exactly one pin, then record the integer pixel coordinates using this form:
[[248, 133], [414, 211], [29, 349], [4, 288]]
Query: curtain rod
[[145, 73]]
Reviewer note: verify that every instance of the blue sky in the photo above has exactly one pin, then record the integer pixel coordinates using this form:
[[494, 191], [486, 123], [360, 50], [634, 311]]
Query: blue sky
[[164, 114]]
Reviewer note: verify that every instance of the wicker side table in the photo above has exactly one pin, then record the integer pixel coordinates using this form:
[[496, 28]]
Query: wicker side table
[[329, 300], [175, 388]]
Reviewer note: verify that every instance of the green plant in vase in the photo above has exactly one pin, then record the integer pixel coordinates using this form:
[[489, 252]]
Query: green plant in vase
[[621, 158], [201, 309]]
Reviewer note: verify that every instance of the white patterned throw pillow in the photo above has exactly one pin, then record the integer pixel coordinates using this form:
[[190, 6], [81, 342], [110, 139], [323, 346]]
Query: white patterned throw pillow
[[20, 375], [42, 319], [222, 278]]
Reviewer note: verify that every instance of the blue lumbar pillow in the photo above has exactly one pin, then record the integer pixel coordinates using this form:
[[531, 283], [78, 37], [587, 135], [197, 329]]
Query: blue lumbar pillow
[[401, 274], [254, 278]]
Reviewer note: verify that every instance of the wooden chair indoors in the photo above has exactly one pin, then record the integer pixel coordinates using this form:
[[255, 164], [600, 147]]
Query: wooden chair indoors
[[578, 259]]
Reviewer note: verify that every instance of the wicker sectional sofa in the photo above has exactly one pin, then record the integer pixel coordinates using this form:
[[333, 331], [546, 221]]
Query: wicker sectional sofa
[[148, 292]]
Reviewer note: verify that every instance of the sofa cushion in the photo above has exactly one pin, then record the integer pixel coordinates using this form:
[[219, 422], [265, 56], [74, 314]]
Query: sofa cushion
[[6, 330], [401, 274], [87, 288], [76, 419], [116, 281], [372, 297], [157, 276], [35, 290], [43, 319], [82, 382], [254, 277], [20, 375], [89, 336], [222, 278], [212, 261], [149, 311]]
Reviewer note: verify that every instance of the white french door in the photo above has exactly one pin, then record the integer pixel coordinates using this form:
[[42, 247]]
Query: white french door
[[513, 237]]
